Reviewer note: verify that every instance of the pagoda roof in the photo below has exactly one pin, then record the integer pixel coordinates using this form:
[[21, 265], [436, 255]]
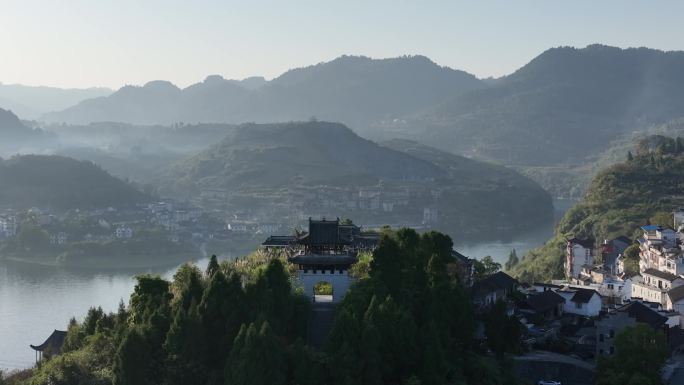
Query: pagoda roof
[[54, 342], [322, 232]]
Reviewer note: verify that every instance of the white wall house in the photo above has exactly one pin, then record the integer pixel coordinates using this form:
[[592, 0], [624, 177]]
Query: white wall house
[[654, 285], [581, 301]]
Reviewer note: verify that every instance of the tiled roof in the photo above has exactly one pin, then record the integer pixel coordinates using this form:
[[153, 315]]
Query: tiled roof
[[496, 281], [676, 293], [583, 295], [661, 274], [544, 301], [643, 314]]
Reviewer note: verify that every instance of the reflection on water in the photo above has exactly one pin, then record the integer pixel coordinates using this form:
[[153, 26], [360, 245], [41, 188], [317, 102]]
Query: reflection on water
[[34, 300]]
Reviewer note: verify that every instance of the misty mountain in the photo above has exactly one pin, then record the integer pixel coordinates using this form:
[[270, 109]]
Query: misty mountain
[[351, 89], [562, 107], [61, 183], [32, 102], [301, 169]]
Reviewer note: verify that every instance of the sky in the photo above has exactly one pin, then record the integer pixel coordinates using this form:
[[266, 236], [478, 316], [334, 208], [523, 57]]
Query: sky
[[86, 43]]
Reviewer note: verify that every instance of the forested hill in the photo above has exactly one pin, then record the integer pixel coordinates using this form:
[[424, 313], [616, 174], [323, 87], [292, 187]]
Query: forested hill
[[61, 183], [645, 188], [350, 89], [11, 127], [565, 105], [323, 167]]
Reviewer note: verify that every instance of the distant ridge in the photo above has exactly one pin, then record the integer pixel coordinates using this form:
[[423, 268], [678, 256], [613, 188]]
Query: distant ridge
[[350, 89]]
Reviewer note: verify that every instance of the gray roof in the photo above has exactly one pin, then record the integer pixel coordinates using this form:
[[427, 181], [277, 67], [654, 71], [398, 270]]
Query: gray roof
[[661, 274], [583, 295], [643, 314], [676, 293]]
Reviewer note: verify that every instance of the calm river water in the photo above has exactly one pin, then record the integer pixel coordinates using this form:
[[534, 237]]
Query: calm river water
[[35, 300]]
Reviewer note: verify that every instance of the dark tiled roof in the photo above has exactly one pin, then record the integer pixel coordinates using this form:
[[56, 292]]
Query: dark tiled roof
[[624, 239], [544, 301], [661, 274], [583, 295], [551, 285], [676, 293], [644, 314], [279, 240], [53, 343], [496, 281], [323, 259], [460, 256], [323, 233], [587, 243]]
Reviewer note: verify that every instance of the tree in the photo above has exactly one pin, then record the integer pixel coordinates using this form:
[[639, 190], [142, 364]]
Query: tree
[[257, 358], [486, 267], [502, 331], [630, 157], [132, 360], [512, 260], [212, 267], [640, 353]]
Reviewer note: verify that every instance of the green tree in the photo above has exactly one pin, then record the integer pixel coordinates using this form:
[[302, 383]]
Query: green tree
[[485, 267], [132, 360], [640, 353], [257, 358], [213, 266], [512, 260]]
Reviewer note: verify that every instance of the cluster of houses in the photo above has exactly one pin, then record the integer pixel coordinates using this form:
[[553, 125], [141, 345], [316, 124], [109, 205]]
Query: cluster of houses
[[382, 201], [599, 296], [178, 221]]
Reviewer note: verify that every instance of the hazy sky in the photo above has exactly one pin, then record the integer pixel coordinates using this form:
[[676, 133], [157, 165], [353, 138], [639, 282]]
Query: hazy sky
[[80, 43]]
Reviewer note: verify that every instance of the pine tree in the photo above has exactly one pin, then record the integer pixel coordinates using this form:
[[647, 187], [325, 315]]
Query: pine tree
[[132, 360], [212, 267]]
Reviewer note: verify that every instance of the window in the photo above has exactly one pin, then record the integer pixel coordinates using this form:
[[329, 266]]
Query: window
[[610, 286], [612, 333], [612, 349], [578, 305], [601, 337]]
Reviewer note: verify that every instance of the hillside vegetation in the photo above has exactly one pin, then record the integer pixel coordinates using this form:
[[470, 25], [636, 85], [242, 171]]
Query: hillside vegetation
[[61, 183], [322, 168], [619, 200], [562, 107]]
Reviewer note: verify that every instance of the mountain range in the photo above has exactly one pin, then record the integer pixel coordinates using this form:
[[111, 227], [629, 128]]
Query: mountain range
[[32, 102], [350, 89], [563, 107]]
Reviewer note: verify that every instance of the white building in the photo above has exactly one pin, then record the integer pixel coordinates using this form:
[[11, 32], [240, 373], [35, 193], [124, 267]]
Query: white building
[[581, 301], [658, 250], [654, 285], [124, 232], [578, 257]]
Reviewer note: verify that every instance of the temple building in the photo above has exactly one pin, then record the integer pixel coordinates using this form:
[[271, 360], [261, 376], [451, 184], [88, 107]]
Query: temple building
[[325, 255]]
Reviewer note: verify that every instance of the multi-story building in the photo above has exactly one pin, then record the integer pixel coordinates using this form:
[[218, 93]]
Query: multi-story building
[[579, 256]]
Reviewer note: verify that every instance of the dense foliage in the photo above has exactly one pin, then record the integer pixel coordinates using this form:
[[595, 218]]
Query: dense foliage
[[644, 189], [240, 323], [640, 353], [61, 183]]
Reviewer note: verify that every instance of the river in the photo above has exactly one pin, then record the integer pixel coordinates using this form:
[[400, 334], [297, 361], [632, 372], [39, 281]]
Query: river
[[35, 300]]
